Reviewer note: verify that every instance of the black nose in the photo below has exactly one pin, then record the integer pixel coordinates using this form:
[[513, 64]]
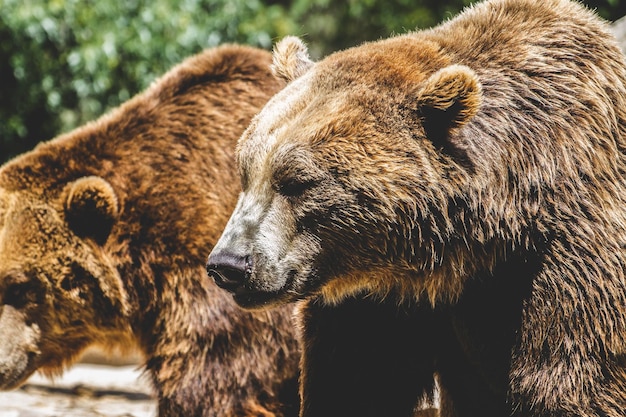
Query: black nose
[[229, 271]]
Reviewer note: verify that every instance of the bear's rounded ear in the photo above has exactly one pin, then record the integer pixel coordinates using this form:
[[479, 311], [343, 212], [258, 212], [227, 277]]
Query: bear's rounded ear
[[290, 58], [91, 208], [449, 98]]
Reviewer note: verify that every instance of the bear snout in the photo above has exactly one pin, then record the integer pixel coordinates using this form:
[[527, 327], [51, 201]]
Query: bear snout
[[229, 271]]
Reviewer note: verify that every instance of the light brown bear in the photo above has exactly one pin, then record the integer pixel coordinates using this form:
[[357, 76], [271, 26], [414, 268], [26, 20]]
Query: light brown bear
[[104, 234], [449, 202]]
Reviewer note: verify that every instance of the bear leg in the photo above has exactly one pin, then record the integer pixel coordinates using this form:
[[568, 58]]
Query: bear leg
[[365, 358]]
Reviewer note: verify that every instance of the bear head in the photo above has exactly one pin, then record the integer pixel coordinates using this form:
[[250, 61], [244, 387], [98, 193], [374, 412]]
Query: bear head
[[338, 172], [59, 292]]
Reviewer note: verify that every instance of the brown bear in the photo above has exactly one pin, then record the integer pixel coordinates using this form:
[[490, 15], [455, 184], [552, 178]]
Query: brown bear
[[103, 240], [449, 202]]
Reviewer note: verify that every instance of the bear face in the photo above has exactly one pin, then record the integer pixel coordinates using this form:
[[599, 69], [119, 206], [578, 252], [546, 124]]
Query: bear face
[[460, 188], [323, 192], [68, 294]]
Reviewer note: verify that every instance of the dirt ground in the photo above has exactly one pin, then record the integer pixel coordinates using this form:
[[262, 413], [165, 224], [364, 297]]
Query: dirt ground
[[86, 390]]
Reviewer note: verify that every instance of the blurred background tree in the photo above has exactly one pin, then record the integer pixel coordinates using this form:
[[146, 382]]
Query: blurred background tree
[[65, 62]]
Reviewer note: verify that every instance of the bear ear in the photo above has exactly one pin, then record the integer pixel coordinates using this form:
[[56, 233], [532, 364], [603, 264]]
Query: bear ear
[[290, 59], [449, 98], [91, 208]]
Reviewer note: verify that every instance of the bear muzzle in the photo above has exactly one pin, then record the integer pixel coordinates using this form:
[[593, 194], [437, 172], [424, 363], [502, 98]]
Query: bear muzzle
[[229, 271], [18, 347]]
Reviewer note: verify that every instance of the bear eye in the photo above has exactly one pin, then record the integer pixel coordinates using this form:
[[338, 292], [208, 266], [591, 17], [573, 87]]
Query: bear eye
[[21, 294], [17, 295], [19, 291], [294, 187]]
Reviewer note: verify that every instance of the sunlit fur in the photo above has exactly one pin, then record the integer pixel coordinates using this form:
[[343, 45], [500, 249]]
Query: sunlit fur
[[290, 59], [104, 233], [470, 176]]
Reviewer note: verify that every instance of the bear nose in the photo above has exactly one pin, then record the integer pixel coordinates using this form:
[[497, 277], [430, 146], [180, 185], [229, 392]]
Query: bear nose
[[229, 271]]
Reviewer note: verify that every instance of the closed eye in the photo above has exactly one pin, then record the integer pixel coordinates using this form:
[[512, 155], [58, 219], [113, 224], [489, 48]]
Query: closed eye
[[294, 187], [17, 295], [19, 291]]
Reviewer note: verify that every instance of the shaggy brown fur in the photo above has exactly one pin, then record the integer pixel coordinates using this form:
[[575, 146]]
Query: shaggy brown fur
[[449, 202], [103, 236]]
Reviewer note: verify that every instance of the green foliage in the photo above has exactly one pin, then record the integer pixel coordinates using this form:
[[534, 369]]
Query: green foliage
[[64, 62], [332, 25]]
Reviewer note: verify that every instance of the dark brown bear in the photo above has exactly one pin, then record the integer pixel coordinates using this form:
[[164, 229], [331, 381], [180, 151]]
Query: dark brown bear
[[104, 233], [448, 202]]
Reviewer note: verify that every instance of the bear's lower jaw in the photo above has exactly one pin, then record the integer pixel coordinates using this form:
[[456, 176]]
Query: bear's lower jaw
[[258, 300], [12, 376], [12, 384]]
